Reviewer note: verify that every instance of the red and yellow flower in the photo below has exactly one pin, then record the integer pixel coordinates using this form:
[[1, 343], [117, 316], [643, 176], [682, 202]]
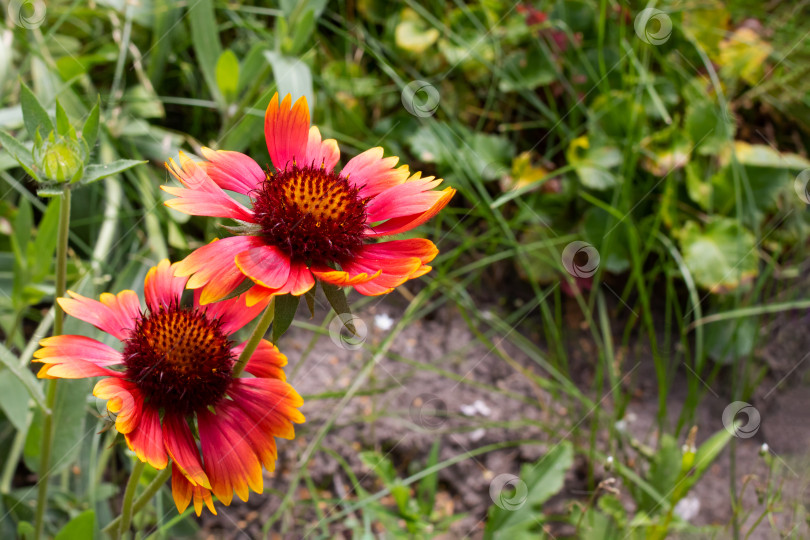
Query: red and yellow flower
[[174, 372], [306, 220]]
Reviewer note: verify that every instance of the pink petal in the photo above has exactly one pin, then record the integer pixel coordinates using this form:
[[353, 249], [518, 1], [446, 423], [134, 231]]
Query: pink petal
[[232, 170], [78, 347], [203, 196], [115, 314], [161, 287], [266, 362], [286, 130], [412, 197], [213, 267], [233, 313], [321, 154], [372, 173]]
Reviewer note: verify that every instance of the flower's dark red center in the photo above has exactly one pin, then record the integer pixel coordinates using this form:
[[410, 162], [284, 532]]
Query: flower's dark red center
[[311, 214], [179, 359]]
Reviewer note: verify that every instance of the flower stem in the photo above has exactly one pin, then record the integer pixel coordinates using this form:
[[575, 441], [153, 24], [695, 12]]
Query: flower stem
[[141, 501], [129, 495], [50, 399], [255, 339]]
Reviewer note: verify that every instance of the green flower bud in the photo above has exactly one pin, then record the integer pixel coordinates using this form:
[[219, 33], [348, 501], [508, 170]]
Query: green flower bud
[[60, 159]]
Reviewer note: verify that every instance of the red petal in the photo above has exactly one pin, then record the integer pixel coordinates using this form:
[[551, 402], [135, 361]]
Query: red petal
[[286, 130], [123, 399], [233, 313], [146, 440], [229, 459], [402, 224], [182, 449], [266, 265]]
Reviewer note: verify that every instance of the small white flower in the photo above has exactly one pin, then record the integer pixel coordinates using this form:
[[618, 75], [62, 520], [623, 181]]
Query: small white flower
[[482, 408], [383, 321], [468, 410], [687, 508], [477, 434]]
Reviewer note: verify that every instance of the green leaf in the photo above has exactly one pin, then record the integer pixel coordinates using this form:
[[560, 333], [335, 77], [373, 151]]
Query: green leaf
[[45, 242], [96, 172], [708, 452], [19, 152], [664, 472], [303, 32], [285, 308], [721, 257], [62, 121], [23, 375], [227, 74], [336, 297], [90, 128], [292, 76], [14, 400], [81, 526], [69, 426], [593, 161], [23, 225], [205, 38], [34, 114], [310, 298], [539, 483]]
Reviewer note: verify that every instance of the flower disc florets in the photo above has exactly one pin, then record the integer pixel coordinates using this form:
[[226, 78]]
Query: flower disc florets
[[311, 214], [179, 358]]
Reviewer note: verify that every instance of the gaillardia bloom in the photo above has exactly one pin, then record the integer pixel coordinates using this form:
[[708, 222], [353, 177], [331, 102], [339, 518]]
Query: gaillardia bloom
[[174, 372], [307, 221]]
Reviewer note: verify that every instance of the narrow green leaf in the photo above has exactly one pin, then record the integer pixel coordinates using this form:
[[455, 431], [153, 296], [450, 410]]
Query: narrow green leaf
[[90, 128], [310, 298], [303, 32], [96, 172], [23, 223], [336, 297], [62, 120], [19, 152], [285, 308], [23, 375], [709, 451], [227, 74], [34, 114], [241, 289], [205, 38], [45, 242]]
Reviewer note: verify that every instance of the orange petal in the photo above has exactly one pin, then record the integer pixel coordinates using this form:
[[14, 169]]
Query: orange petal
[[286, 131]]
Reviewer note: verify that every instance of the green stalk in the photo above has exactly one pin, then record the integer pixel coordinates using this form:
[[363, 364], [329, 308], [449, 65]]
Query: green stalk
[[129, 495], [141, 501], [255, 338], [50, 399]]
